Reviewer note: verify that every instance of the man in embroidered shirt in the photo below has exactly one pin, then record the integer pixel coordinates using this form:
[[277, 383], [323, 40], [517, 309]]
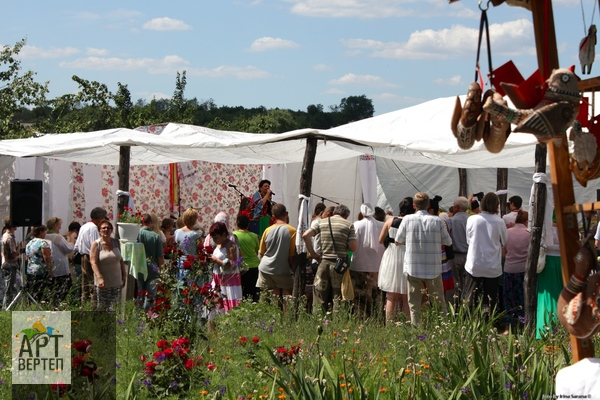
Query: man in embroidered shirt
[[424, 235]]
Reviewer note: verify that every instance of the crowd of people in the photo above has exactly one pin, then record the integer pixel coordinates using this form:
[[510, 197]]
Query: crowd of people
[[466, 254]]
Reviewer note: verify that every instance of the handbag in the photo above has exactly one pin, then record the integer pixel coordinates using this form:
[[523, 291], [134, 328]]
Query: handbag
[[449, 252], [341, 263]]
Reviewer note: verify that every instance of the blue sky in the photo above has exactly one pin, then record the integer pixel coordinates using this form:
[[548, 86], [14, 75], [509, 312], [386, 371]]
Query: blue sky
[[280, 53]]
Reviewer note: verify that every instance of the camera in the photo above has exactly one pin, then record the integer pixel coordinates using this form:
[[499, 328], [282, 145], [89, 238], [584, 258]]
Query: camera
[[478, 195]]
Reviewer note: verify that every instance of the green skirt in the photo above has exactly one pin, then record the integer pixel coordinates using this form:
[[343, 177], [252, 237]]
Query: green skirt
[[549, 286]]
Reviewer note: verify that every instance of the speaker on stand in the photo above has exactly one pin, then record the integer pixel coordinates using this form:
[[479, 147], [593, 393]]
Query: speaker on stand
[[26, 200]]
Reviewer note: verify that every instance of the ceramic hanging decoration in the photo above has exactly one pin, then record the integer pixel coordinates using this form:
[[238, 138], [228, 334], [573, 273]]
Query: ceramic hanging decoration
[[464, 120]]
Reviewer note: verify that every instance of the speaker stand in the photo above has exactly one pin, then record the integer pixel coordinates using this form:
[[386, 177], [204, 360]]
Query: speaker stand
[[23, 291]]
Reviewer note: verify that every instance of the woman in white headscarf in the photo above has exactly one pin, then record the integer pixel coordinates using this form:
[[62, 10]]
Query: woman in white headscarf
[[364, 269]]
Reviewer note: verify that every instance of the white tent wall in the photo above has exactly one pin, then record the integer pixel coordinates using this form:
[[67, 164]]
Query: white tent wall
[[337, 181], [401, 179]]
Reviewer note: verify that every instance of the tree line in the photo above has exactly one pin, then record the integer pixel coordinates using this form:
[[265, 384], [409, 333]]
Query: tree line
[[25, 108]]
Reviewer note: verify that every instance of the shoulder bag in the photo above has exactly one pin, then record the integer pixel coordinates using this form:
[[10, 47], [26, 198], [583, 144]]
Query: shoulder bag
[[341, 263]]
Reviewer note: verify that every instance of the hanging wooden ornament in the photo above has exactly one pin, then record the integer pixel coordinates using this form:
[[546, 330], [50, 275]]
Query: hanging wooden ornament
[[470, 123], [587, 51], [552, 116]]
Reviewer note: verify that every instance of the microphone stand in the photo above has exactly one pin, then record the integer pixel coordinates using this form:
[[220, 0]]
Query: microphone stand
[[242, 195], [324, 199]]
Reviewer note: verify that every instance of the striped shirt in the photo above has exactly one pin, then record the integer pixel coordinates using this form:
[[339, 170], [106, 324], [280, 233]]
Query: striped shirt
[[343, 232], [424, 235]]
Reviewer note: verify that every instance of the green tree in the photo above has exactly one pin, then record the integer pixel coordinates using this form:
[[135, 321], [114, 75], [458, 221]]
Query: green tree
[[355, 108], [17, 90]]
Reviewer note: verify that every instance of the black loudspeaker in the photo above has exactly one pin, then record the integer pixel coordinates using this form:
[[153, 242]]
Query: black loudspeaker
[[26, 202]]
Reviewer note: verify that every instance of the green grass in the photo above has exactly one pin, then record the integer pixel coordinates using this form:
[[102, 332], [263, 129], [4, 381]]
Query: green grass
[[448, 357]]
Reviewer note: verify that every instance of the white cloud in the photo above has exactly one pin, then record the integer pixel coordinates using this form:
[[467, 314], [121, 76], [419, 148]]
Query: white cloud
[[363, 9], [368, 80], [166, 24], [33, 52], [153, 95], [96, 52], [269, 43], [248, 72], [322, 67], [153, 66], [167, 65], [455, 42], [334, 91], [453, 81]]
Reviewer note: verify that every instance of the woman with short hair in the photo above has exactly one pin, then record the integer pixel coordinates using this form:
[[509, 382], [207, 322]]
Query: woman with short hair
[[110, 272]]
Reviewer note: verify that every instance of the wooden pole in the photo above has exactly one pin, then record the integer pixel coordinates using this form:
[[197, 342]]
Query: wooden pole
[[306, 176], [123, 174], [533, 252], [462, 182], [562, 181], [502, 184]]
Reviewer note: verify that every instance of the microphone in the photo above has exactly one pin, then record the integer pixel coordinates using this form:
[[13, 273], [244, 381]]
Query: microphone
[[230, 185]]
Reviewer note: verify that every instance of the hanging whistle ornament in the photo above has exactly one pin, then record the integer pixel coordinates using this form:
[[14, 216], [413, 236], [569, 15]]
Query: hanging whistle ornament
[[587, 51], [465, 120], [552, 116]]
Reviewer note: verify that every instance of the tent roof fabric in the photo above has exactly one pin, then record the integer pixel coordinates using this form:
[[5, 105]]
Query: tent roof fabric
[[419, 134]]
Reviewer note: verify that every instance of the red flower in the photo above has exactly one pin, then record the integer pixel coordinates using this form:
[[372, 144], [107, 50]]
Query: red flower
[[187, 300], [243, 340], [187, 265], [185, 291], [182, 341], [82, 346], [209, 249], [143, 293], [168, 352], [189, 364], [183, 351], [162, 344], [211, 366], [89, 372], [157, 354], [255, 339], [143, 357], [77, 361]]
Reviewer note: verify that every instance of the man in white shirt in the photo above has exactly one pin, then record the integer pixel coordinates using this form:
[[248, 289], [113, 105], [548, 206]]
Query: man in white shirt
[[514, 203], [88, 233], [424, 234]]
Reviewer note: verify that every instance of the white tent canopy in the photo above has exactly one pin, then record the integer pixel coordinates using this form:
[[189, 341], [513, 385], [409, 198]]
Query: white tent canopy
[[418, 134]]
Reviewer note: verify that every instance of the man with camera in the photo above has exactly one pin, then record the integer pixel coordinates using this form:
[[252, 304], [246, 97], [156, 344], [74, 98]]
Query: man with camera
[[337, 237]]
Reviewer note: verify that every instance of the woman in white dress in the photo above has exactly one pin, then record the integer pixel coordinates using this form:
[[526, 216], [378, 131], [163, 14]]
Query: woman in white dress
[[392, 279]]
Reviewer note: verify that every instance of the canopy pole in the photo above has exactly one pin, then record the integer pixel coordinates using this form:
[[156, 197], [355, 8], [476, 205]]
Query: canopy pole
[[123, 175], [462, 182], [306, 176]]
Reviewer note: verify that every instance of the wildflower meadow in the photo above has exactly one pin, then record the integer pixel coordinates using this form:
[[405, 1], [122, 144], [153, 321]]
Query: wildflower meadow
[[183, 347]]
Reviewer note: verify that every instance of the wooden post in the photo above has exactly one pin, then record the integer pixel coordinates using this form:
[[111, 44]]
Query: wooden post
[[462, 182], [533, 253], [502, 184], [562, 181], [310, 153], [122, 201], [123, 174]]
